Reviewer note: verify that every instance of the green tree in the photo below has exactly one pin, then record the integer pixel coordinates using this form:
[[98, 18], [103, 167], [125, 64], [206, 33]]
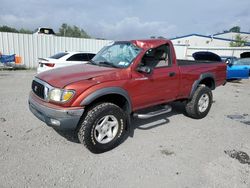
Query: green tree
[[13, 30], [235, 29], [161, 37], [6, 28], [25, 31], [72, 31], [238, 41]]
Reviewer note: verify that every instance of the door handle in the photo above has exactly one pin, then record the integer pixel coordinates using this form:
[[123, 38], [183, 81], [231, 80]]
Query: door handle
[[171, 74]]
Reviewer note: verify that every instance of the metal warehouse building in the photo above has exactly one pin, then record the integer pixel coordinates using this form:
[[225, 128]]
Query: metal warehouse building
[[217, 40], [231, 35]]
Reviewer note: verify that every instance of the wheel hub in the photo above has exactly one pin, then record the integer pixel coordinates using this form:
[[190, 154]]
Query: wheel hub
[[203, 103], [106, 129]]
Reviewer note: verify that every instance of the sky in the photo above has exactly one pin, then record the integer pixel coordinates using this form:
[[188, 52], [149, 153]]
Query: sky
[[129, 19]]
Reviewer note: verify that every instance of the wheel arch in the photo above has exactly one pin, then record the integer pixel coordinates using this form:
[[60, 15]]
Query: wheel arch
[[116, 95], [207, 79]]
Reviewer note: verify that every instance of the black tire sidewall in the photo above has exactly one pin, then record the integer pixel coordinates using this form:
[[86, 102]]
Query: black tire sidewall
[[90, 121], [121, 120], [204, 90]]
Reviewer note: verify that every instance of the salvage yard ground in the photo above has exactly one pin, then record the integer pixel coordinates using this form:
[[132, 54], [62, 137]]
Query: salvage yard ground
[[168, 151]]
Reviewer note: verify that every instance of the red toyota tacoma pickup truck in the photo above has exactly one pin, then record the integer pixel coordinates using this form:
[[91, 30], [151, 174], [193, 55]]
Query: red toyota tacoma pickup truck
[[99, 98]]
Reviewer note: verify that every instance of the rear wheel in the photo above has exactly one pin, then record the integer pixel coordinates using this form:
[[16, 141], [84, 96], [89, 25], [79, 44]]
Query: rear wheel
[[102, 128], [200, 104]]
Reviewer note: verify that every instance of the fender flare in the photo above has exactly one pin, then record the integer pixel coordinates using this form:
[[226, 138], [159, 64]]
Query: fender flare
[[106, 91], [197, 82]]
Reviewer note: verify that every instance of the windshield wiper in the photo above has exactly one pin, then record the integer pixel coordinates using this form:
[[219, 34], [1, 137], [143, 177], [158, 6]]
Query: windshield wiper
[[107, 63], [92, 62]]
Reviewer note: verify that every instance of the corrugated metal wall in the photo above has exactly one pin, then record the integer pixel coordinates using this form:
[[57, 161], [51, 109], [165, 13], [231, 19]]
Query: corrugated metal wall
[[186, 52], [221, 51], [31, 47]]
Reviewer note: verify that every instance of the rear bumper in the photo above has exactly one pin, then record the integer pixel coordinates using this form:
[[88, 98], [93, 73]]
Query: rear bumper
[[41, 69], [60, 118]]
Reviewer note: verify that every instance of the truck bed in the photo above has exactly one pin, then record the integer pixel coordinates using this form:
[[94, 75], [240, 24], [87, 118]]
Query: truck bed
[[182, 62], [192, 70]]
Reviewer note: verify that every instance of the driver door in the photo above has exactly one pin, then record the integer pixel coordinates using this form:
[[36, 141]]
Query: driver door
[[159, 86], [237, 71]]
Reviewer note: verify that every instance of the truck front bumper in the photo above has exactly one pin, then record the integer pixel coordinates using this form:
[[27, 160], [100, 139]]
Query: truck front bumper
[[58, 117]]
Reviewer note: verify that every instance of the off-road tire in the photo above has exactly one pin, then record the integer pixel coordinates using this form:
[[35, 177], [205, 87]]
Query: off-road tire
[[192, 107], [89, 121]]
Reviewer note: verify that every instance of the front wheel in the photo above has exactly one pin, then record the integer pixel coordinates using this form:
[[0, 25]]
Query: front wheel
[[200, 104], [102, 128]]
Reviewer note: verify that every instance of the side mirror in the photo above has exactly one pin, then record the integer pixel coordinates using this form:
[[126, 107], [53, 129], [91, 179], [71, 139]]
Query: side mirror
[[144, 69], [229, 63]]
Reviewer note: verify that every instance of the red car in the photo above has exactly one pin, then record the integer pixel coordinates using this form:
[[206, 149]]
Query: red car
[[99, 98]]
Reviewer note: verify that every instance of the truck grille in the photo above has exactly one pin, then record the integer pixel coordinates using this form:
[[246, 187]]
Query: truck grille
[[38, 89]]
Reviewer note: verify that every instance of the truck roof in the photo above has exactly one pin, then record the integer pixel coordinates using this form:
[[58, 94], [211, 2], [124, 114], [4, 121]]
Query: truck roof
[[150, 43]]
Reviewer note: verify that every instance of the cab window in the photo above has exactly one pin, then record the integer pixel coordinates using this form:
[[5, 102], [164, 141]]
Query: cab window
[[157, 57]]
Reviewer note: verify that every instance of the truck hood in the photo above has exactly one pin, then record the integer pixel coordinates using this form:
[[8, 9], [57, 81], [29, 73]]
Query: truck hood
[[61, 77]]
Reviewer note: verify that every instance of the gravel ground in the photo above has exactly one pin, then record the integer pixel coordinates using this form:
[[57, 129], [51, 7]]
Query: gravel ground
[[168, 151]]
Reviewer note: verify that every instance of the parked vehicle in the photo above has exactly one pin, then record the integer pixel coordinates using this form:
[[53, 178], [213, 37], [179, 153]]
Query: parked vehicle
[[228, 59], [44, 31], [63, 59], [238, 69], [136, 78], [206, 56], [245, 55]]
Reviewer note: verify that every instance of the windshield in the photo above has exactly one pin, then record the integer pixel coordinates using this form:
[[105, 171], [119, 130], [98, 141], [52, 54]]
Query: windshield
[[244, 61], [119, 55]]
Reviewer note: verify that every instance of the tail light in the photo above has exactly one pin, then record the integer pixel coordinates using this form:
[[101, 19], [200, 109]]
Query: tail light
[[49, 64]]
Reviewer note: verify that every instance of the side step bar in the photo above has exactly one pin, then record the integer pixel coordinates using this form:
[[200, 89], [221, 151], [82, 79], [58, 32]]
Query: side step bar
[[164, 110]]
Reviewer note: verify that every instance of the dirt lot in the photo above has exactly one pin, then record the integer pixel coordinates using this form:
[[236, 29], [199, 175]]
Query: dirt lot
[[168, 151]]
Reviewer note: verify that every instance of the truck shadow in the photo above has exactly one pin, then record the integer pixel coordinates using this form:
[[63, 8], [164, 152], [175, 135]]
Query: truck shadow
[[146, 124], [70, 135], [141, 124], [237, 81]]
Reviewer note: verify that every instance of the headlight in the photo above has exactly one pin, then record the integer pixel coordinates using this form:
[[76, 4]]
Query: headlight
[[60, 95]]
